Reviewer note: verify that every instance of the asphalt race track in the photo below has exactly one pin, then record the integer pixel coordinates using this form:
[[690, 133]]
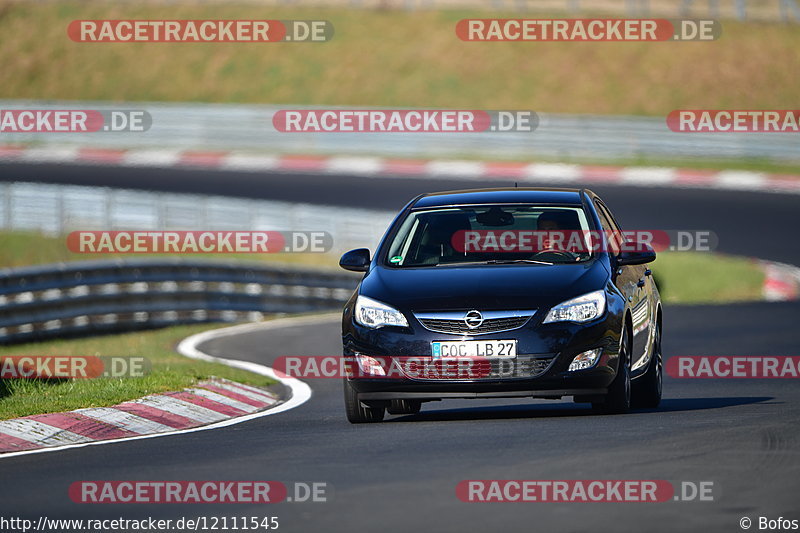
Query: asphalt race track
[[742, 435]]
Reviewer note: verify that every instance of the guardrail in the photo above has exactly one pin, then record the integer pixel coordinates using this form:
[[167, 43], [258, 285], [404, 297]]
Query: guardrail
[[248, 128], [58, 209], [103, 296]]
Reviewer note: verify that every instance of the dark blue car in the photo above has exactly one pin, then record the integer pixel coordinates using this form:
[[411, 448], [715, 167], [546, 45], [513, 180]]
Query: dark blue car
[[499, 293]]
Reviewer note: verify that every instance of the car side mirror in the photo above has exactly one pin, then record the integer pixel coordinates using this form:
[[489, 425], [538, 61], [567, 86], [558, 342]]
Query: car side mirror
[[645, 254], [356, 260]]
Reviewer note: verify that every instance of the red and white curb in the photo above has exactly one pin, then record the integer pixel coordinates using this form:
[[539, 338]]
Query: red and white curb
[[781, 282], [210, 405], [539, 173], [211, 401]]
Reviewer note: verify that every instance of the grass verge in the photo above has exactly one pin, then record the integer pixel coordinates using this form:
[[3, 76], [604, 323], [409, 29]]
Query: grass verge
[[392, 58], [701, 278], [170, 372]]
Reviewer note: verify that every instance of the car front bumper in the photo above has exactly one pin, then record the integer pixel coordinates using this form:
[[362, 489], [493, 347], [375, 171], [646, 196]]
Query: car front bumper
[[557, 344]]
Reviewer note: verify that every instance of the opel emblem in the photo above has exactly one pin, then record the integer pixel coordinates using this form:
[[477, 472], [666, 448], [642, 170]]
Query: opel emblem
[[473, 319]]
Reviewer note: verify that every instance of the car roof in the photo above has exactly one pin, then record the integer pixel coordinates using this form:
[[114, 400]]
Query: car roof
[[506, 195]]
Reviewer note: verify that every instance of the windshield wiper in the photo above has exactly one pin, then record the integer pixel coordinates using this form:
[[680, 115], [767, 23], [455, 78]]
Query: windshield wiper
[[495, 262], [511, 261]]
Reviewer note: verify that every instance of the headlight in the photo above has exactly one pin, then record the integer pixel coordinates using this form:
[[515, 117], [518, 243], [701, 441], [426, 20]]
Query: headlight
[[374, 314], [581, 309]]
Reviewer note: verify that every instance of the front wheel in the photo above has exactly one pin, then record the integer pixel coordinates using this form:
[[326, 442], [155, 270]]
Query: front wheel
[[356, 412], [618, 398], [647, 389]]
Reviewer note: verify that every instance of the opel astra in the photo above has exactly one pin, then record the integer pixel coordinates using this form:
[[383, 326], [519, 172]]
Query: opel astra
[[502, 293]]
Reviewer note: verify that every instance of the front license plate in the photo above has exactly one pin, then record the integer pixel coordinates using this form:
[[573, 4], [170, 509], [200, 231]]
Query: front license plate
[[474, 348]]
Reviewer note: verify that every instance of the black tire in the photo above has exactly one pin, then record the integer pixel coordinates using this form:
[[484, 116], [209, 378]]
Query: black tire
[[356, 412], [618, 398], [647, 389], [404, 407]]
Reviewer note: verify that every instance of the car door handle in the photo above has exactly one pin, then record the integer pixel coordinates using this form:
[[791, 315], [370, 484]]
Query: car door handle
[[640, 283], [648, 272]]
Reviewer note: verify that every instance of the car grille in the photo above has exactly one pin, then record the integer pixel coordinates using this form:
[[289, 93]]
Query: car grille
[[485, 369], [493, 322], [458, 327]]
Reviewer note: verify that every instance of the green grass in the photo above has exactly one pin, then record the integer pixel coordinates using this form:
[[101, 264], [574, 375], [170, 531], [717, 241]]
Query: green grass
[[695, 278], [23, 248], [170, 371], [392, 58]]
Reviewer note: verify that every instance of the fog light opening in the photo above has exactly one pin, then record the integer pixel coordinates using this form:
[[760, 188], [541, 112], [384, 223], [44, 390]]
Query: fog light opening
[[585, 360], [370, 366]]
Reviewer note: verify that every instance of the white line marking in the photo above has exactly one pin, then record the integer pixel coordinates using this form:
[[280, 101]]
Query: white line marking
[[50, 155], [179, 407], [151, 158], [258, 397], [124, 420], [455, 169], [40, 433], [740, 180], [255, 163], [224, 400], [240, 386], [363, 166], [300, 391], [553, 172], [648, 176]]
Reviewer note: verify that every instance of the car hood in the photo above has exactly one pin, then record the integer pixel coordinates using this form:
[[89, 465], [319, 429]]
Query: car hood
[[483, 287]]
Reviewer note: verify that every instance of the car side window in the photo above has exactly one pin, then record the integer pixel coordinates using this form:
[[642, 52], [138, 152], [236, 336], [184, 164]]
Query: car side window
[[612, 231], [610, 217]]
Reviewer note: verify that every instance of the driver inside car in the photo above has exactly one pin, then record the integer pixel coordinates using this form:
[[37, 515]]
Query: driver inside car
[[560, 228]]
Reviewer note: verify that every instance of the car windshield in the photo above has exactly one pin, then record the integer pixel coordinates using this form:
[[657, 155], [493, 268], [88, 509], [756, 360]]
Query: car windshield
[[491, 234]]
